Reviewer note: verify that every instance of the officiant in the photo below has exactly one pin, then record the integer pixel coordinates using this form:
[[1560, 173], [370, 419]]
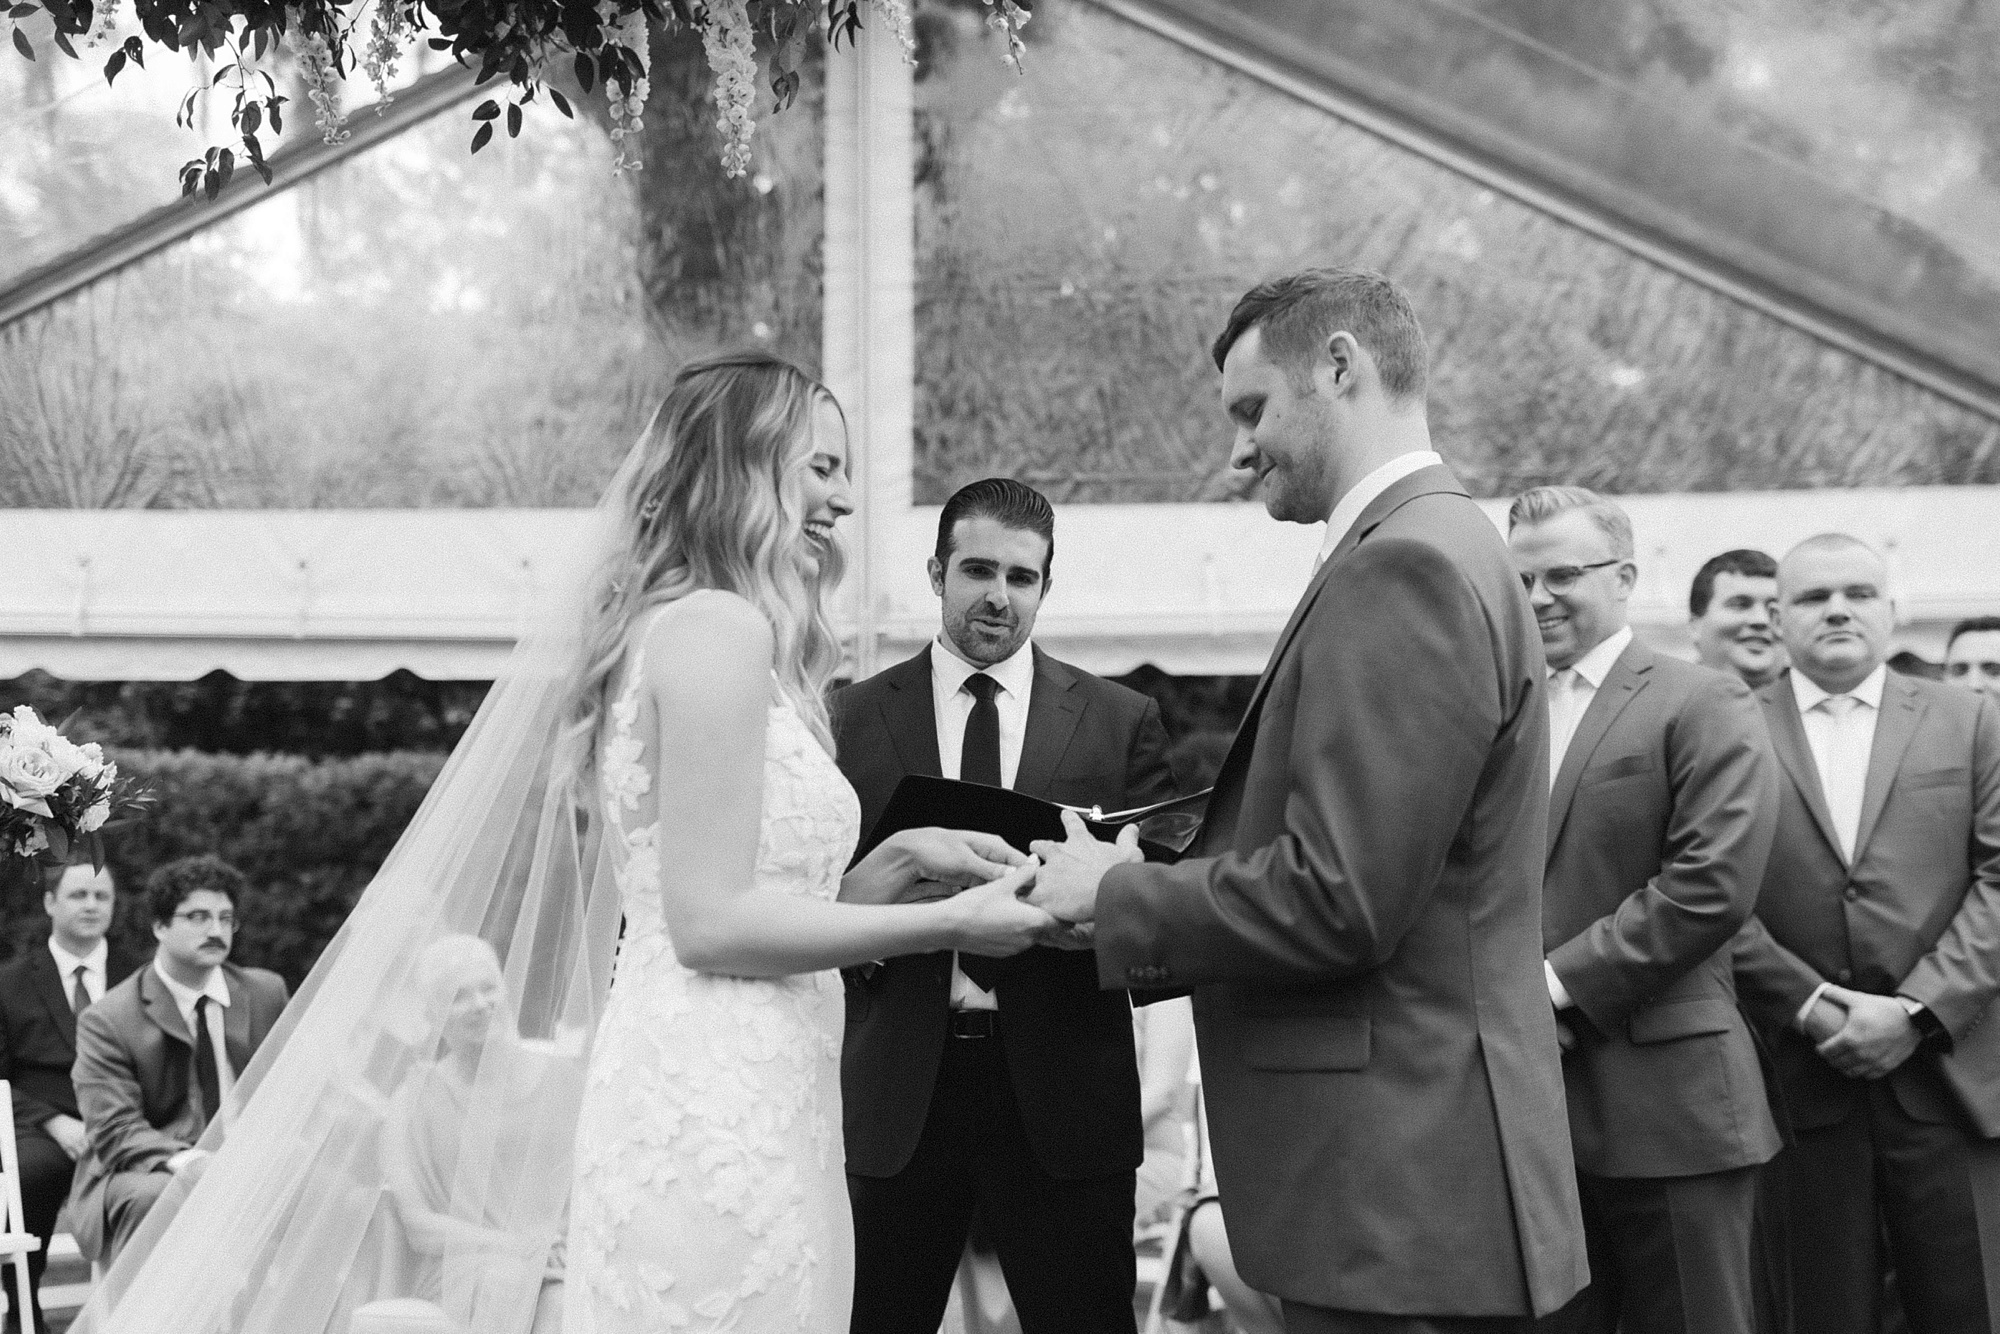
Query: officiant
[[1002, 1088]]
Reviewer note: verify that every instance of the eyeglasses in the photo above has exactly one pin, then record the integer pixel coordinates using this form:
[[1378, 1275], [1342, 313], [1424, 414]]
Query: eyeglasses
[[203, 918], [1561, 578]]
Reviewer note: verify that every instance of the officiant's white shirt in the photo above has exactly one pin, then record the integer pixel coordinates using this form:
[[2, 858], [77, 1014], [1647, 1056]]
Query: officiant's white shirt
[[952, 704]]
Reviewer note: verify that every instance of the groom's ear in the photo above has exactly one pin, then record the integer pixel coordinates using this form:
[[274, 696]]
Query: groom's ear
[[935, 568], [1339, 369]]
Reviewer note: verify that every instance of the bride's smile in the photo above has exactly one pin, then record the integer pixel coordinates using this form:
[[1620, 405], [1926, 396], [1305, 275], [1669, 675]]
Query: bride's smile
[[824, 492]]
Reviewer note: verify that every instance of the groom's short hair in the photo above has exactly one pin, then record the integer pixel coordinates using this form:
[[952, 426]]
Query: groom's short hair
[[1300, 311], [1009, 503]]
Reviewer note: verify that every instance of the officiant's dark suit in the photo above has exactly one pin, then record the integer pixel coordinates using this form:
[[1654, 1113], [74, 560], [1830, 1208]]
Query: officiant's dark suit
[[1664, 804], [1361, 919], [1028, 1113], [38, 1008]]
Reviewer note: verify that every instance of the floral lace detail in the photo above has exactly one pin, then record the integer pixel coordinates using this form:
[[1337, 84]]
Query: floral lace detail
[[710, 1187]]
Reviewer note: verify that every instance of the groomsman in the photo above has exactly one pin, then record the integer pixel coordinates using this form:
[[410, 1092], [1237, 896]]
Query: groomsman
[[1006, 1088], [1875, 957], [1663, 805], [41, 993], [1730, 609], [1972, 657]]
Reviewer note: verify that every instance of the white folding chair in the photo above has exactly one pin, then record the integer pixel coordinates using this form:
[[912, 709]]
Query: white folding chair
[[16, 1242]]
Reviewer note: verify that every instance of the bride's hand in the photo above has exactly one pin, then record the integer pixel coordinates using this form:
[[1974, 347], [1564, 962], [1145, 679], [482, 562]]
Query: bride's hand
[[913, 865], [993, 920]]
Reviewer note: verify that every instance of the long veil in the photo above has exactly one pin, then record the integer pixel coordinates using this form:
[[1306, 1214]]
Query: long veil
[[404, 1134]]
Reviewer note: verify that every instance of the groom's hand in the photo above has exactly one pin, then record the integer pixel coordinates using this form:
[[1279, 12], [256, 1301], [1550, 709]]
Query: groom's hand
[[1067, 886]]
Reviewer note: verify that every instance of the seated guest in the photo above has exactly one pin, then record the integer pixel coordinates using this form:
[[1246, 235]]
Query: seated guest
[[147, 1087], [1972, 658], [41, 993], [1730, 610]]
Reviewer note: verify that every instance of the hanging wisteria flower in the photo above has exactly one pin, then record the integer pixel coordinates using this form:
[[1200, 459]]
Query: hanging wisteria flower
[[388, 30], [54, 792], [1007, 19], [896, 13], [628, 108], [322, 84], [732, 55]]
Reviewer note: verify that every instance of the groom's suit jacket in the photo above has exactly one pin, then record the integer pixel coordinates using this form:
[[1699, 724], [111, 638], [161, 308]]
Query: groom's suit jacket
[[1362, 926], [1660, 824], [1916, 912], [1068, 1044]]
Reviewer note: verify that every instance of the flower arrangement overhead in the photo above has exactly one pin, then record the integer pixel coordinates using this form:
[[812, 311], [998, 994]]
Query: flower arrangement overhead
[[602, 42], [55, 794]]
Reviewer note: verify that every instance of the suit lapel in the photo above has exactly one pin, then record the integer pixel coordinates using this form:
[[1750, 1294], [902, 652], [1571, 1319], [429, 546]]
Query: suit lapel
[[910, 716], [1053, 713], [1895, 725], [1788, 738], [159, 1005], [1627, 677], [49, 986], [236, 1021]]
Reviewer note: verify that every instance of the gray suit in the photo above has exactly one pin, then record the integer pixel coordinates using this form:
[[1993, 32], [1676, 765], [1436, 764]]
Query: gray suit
[[1362, 925], [141, 1104], [1660, 824]]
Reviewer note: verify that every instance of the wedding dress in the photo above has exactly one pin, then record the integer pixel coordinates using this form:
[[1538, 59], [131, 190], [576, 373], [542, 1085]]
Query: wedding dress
[[710, 1191]]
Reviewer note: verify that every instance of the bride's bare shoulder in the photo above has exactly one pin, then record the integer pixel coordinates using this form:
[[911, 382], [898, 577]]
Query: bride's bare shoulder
[[705, 636]]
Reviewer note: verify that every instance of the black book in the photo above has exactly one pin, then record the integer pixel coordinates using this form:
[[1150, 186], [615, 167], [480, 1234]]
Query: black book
[[1166, 829]]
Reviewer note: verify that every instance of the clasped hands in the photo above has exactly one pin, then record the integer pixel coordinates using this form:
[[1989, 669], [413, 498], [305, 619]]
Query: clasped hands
[[1864, 1036]]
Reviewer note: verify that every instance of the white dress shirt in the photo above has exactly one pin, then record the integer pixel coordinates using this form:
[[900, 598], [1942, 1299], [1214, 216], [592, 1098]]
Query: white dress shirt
[[1348, 508], [93, 965], [953, 703], [1570, 693], [217, 990]]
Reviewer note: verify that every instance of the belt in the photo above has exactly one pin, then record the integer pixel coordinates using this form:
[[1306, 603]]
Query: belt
[[974, 1023]]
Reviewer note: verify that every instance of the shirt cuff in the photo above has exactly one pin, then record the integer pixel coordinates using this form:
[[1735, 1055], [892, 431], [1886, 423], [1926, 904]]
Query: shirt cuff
[[1799, 1019], [1558, 993]]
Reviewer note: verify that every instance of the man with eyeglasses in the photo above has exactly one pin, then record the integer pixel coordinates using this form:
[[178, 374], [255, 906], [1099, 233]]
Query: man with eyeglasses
[[1874, 960], [156, 1058], [1663, 803], [1972, 657]]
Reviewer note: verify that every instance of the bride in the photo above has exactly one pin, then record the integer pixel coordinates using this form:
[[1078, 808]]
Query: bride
[[645, 825]]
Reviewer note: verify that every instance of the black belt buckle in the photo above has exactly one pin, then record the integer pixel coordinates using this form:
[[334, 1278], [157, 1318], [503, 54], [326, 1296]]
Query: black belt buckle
[[974, 1023]]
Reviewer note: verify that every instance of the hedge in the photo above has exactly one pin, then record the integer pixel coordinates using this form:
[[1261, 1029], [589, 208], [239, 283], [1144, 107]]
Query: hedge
[[306, 834]]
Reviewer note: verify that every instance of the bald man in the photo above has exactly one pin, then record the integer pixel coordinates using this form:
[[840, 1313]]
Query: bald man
[[1874, 956]]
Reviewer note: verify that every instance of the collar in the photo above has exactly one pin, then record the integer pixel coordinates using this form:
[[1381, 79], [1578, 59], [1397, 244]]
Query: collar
[[949, 672], [67, 963], [1595, 665], [1869, 692], [1364, 492], [216, 989]]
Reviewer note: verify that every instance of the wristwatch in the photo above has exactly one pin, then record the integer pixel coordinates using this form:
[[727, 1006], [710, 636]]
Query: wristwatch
[[1931, 1032]]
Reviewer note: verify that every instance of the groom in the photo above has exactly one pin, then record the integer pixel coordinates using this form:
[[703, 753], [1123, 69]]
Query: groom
[[1002, 1087], [1361, 920]]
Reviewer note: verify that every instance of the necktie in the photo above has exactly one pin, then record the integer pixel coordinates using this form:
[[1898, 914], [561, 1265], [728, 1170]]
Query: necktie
[[1844, 774], [1562, 718], [979, 762], [81, 996], [205, 1072]]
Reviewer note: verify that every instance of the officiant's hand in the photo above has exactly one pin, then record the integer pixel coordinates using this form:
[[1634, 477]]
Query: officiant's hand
[[912, 865], [1071, 869]]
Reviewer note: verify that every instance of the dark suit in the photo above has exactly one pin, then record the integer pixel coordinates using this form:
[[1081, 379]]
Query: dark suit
[[1040, 1131], [1915, 913], [1660, 823], [135, 1082], [37, 1048], [1362, 925]]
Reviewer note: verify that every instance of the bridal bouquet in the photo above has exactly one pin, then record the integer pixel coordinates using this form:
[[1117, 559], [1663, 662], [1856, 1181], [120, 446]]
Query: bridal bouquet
[[54, 792]]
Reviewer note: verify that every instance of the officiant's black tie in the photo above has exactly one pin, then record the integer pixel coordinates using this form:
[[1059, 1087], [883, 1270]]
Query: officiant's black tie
[[979, 762], [80, 997], [205, 1072]]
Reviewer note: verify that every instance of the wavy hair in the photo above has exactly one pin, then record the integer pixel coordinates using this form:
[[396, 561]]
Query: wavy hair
[[716, 503]]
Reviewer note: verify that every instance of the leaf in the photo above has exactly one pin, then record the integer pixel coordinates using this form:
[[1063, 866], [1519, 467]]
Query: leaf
[[481, 139], [253, 116], [24, 11], [21, 44], [562, 103], [271, 104], [440, 43], [262, 43], [96, 854], [62, 43], [212, 185], [113, 65], [488, 110], [136, 50], [586, 70], [190, 177], [58, 840], [228, 168], [514, 122]]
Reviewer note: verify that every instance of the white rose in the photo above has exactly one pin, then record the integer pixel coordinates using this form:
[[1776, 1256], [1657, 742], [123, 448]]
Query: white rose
[[93, 759], [27, 776], [28, 729], [69, 756], [94, 818]]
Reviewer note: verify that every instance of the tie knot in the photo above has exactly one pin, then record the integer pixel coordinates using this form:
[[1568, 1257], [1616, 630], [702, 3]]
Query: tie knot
[[982, 687], [1839, 705]]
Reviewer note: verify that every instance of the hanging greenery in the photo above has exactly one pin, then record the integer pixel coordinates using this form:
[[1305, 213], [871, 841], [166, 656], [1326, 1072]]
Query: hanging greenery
[[602, 42]]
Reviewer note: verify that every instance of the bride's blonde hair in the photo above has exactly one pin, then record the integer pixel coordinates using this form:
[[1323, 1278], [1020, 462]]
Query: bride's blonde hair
[[716, 503]]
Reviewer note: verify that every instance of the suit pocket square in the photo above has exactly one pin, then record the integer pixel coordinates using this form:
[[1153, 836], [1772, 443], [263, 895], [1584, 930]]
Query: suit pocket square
[[1937, 778], [1682, 1019], [1308, 1042], [1625, 766]]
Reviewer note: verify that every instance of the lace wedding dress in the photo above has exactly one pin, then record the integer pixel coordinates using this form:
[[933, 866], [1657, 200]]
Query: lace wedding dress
[[710, 1186]]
